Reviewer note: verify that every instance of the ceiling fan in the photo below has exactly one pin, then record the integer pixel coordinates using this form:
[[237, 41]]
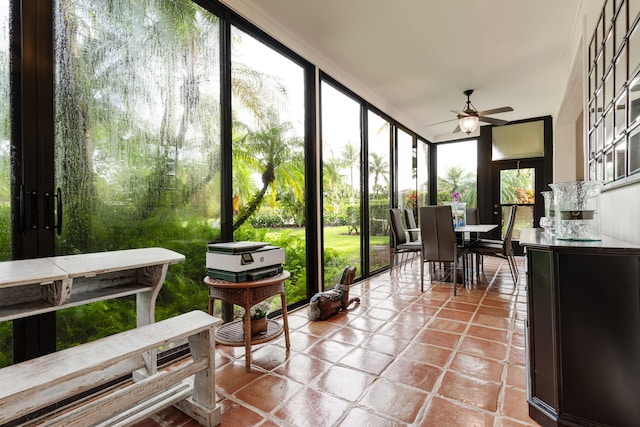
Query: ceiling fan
[[469, 117]]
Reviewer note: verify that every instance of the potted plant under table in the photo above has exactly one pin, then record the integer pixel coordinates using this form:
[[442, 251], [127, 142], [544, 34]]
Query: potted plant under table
[[259, 318]]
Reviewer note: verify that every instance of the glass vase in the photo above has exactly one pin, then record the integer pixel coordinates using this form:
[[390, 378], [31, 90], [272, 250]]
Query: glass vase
[[458, 212], [577, 210]]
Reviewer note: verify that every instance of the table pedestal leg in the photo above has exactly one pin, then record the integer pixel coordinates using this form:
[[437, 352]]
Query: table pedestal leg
[[285, 321]]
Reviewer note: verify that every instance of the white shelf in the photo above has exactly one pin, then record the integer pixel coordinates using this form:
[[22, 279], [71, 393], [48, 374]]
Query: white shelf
[[35, 286]]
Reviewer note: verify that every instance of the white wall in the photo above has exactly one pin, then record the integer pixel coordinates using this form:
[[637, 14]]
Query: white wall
[[620, 209]]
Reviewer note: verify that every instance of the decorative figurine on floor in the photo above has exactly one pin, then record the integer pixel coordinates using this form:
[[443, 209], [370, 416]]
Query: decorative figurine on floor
[[325, 304]]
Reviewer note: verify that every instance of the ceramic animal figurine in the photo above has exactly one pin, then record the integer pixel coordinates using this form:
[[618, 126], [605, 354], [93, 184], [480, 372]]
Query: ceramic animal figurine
[[325, 304]]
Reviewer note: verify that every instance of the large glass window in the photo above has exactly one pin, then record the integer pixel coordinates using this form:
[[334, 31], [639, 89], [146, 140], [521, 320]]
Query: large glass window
[[341, 169], [268, 154], [457, 166], [378, 144], [517, 141], [137, 145]]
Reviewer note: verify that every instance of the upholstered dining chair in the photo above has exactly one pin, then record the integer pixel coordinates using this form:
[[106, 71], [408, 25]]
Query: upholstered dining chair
[[473, 217], [400, 244], [499, 248], [439, 242], [410, 220]]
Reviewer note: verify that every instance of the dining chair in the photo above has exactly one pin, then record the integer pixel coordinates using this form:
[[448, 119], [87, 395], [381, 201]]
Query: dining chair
[[410, 220], [439, 243], [400, 244], [498, 248], [473, 216]]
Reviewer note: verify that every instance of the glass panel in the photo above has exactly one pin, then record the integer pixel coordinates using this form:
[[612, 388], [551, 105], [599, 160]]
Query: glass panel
[[621, 28], [457, 171], [608, 166], [593, 143], [634, 49], [599, 168], [517, 187], [599, 72], [608, 89], [592, 170], [608, 127], [379, 190], [593, 85], [592, 113], [634, 8], [598, 105], [601, 135], [137, 145], [600, 34], [592, 53], [423, 173], [407, 170], [620, 159], [268, 154], [620, 115], [621, 71], [608, 48], [6, 348], [634, 101], [634, 151], [518, 141], [341, 182]]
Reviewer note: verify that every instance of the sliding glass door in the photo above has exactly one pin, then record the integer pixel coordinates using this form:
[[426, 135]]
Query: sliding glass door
[[6, 354], [341, 160], [379, 149], [137, 144], [269, 175]]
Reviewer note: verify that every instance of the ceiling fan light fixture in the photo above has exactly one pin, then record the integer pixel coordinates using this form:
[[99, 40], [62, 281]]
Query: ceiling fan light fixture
[[468, 124]]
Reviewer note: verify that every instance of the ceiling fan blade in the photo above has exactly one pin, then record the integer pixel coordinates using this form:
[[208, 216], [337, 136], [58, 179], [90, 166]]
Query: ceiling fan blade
[[493, 121], [495, 111], [457, 129], [439, 123], [459, 113]]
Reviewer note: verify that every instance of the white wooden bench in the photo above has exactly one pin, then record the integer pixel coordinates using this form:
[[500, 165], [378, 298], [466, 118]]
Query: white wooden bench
[[38, 383]]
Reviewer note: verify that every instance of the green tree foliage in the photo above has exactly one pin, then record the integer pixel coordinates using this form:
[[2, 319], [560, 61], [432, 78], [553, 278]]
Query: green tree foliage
[[378, 167], [278, 157], [517, 186], [457, 180]]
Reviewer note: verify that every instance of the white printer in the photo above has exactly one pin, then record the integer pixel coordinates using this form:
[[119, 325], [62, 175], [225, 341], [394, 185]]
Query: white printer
[[243, 261]]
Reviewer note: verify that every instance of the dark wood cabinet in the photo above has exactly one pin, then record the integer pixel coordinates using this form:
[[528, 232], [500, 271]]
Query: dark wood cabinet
[[583, 324]]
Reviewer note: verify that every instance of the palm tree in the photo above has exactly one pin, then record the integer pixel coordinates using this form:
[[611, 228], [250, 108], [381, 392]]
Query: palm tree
[[457, 180], [378, 166], [350, 158], [276, 156]]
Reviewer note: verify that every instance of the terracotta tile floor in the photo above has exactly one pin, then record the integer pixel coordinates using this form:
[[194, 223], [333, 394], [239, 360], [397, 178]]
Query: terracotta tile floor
[[400, 358]]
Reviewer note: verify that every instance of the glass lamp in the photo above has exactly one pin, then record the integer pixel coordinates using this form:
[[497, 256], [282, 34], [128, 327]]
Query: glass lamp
[[468, 124]]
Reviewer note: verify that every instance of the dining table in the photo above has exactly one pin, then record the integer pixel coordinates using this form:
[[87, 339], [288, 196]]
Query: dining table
[[473, 230]]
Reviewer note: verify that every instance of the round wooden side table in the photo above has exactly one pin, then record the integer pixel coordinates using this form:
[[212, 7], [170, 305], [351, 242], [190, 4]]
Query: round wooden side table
[[246, 295]]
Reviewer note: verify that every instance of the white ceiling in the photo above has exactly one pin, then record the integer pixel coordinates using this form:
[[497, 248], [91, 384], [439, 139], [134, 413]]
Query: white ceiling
[[414, 58]]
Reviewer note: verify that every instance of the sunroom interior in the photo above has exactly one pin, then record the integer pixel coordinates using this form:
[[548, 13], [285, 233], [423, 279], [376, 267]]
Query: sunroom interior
[[179, 123]]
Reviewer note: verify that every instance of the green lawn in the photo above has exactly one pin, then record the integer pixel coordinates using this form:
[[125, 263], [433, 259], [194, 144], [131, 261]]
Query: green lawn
[[338, 239]]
